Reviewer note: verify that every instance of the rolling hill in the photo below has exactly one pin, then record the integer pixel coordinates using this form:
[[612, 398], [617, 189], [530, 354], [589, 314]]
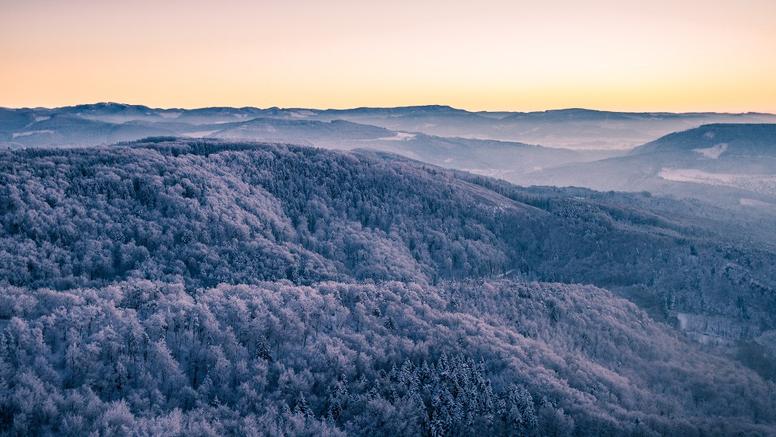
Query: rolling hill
[[195, 286], [729, 164]]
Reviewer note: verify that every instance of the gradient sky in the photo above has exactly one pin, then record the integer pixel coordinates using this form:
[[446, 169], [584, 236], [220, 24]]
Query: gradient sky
[[496, 55]]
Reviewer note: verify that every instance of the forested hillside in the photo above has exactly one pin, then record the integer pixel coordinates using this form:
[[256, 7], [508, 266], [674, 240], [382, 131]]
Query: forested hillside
[[208, 212], [389, 359], [193, 286]]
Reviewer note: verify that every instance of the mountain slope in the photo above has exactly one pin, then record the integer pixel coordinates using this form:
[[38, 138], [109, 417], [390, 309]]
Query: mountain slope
[[211, 212], [739, 140], [184, 284], [61, 130], [303, 132], [729, 164]]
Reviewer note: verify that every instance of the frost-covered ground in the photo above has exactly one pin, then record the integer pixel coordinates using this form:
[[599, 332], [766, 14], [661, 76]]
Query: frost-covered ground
[[212, 287], [765, 184], [713, 152]]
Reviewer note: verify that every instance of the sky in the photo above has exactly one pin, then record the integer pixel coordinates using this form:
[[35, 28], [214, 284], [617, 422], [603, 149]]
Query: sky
[[480, 55]]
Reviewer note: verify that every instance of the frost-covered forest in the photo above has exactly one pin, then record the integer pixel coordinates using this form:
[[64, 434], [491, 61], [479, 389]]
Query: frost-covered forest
[[202, 287]]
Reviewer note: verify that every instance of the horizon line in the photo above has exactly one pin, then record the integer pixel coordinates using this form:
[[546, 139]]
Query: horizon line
[[350, 108]]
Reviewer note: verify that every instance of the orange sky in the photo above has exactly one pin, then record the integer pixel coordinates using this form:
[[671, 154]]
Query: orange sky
[[510, 55]]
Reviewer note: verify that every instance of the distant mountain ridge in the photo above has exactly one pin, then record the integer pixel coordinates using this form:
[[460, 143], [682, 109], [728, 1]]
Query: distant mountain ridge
[[574, 128], [108, 123]]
